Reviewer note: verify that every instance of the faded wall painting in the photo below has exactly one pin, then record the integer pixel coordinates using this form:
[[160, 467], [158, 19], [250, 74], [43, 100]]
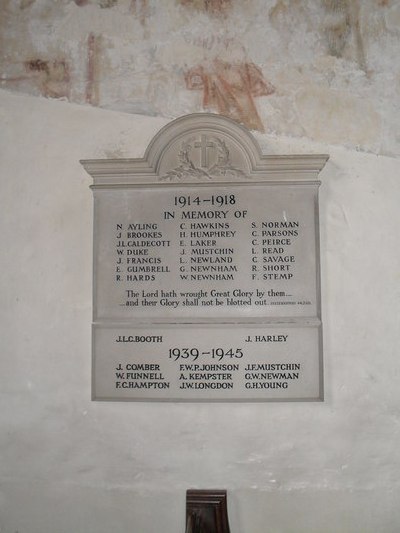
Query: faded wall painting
[[326, 70]]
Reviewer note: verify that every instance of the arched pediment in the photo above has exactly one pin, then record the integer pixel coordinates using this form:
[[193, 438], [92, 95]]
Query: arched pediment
[[204, 148]]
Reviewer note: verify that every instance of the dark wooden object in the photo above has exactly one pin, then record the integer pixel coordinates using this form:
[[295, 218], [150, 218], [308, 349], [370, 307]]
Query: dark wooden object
[[206, 511]]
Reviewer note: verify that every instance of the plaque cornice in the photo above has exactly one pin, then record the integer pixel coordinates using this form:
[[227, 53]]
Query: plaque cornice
[[268, 163]]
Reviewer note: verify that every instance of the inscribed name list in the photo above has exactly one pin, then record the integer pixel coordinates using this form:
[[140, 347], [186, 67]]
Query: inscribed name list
[[206, 251], [205, 363]]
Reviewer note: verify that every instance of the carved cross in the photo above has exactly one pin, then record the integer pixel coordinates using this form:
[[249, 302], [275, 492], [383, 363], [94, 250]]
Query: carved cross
[[203, 144]]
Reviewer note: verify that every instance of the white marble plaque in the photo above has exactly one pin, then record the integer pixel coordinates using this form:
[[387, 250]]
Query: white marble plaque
[[206, 270], [207, 362]]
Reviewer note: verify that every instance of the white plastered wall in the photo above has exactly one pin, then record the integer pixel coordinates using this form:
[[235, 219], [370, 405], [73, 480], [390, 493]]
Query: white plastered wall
[[71, 465]]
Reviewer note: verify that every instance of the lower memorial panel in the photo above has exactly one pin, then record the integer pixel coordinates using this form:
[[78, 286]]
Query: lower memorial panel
[[238, 362]]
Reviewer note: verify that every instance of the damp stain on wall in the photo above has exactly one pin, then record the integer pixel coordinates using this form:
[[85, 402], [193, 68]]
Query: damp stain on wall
[[52, 77], [107, 3], [230, 89], [101, 3], [26, 3], [342, 25], [140, 9], [214, 7]]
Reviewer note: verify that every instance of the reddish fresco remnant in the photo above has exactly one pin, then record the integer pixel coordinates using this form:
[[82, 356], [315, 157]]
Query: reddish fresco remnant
[[215, 7], [140, 8], [52, 77], [230, 89], [81, 3], [92, 79]]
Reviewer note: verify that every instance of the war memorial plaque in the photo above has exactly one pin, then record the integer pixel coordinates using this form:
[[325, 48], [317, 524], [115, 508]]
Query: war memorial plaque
[[206, 270]]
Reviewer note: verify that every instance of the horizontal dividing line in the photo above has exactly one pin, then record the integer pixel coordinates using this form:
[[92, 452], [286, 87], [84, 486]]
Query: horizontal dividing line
[[314, 322]]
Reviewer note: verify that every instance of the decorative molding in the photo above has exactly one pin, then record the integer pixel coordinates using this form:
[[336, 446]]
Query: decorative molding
[[199, 148]]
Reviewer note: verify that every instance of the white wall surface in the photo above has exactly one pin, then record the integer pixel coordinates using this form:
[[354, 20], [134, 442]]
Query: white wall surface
[[68, 464]]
